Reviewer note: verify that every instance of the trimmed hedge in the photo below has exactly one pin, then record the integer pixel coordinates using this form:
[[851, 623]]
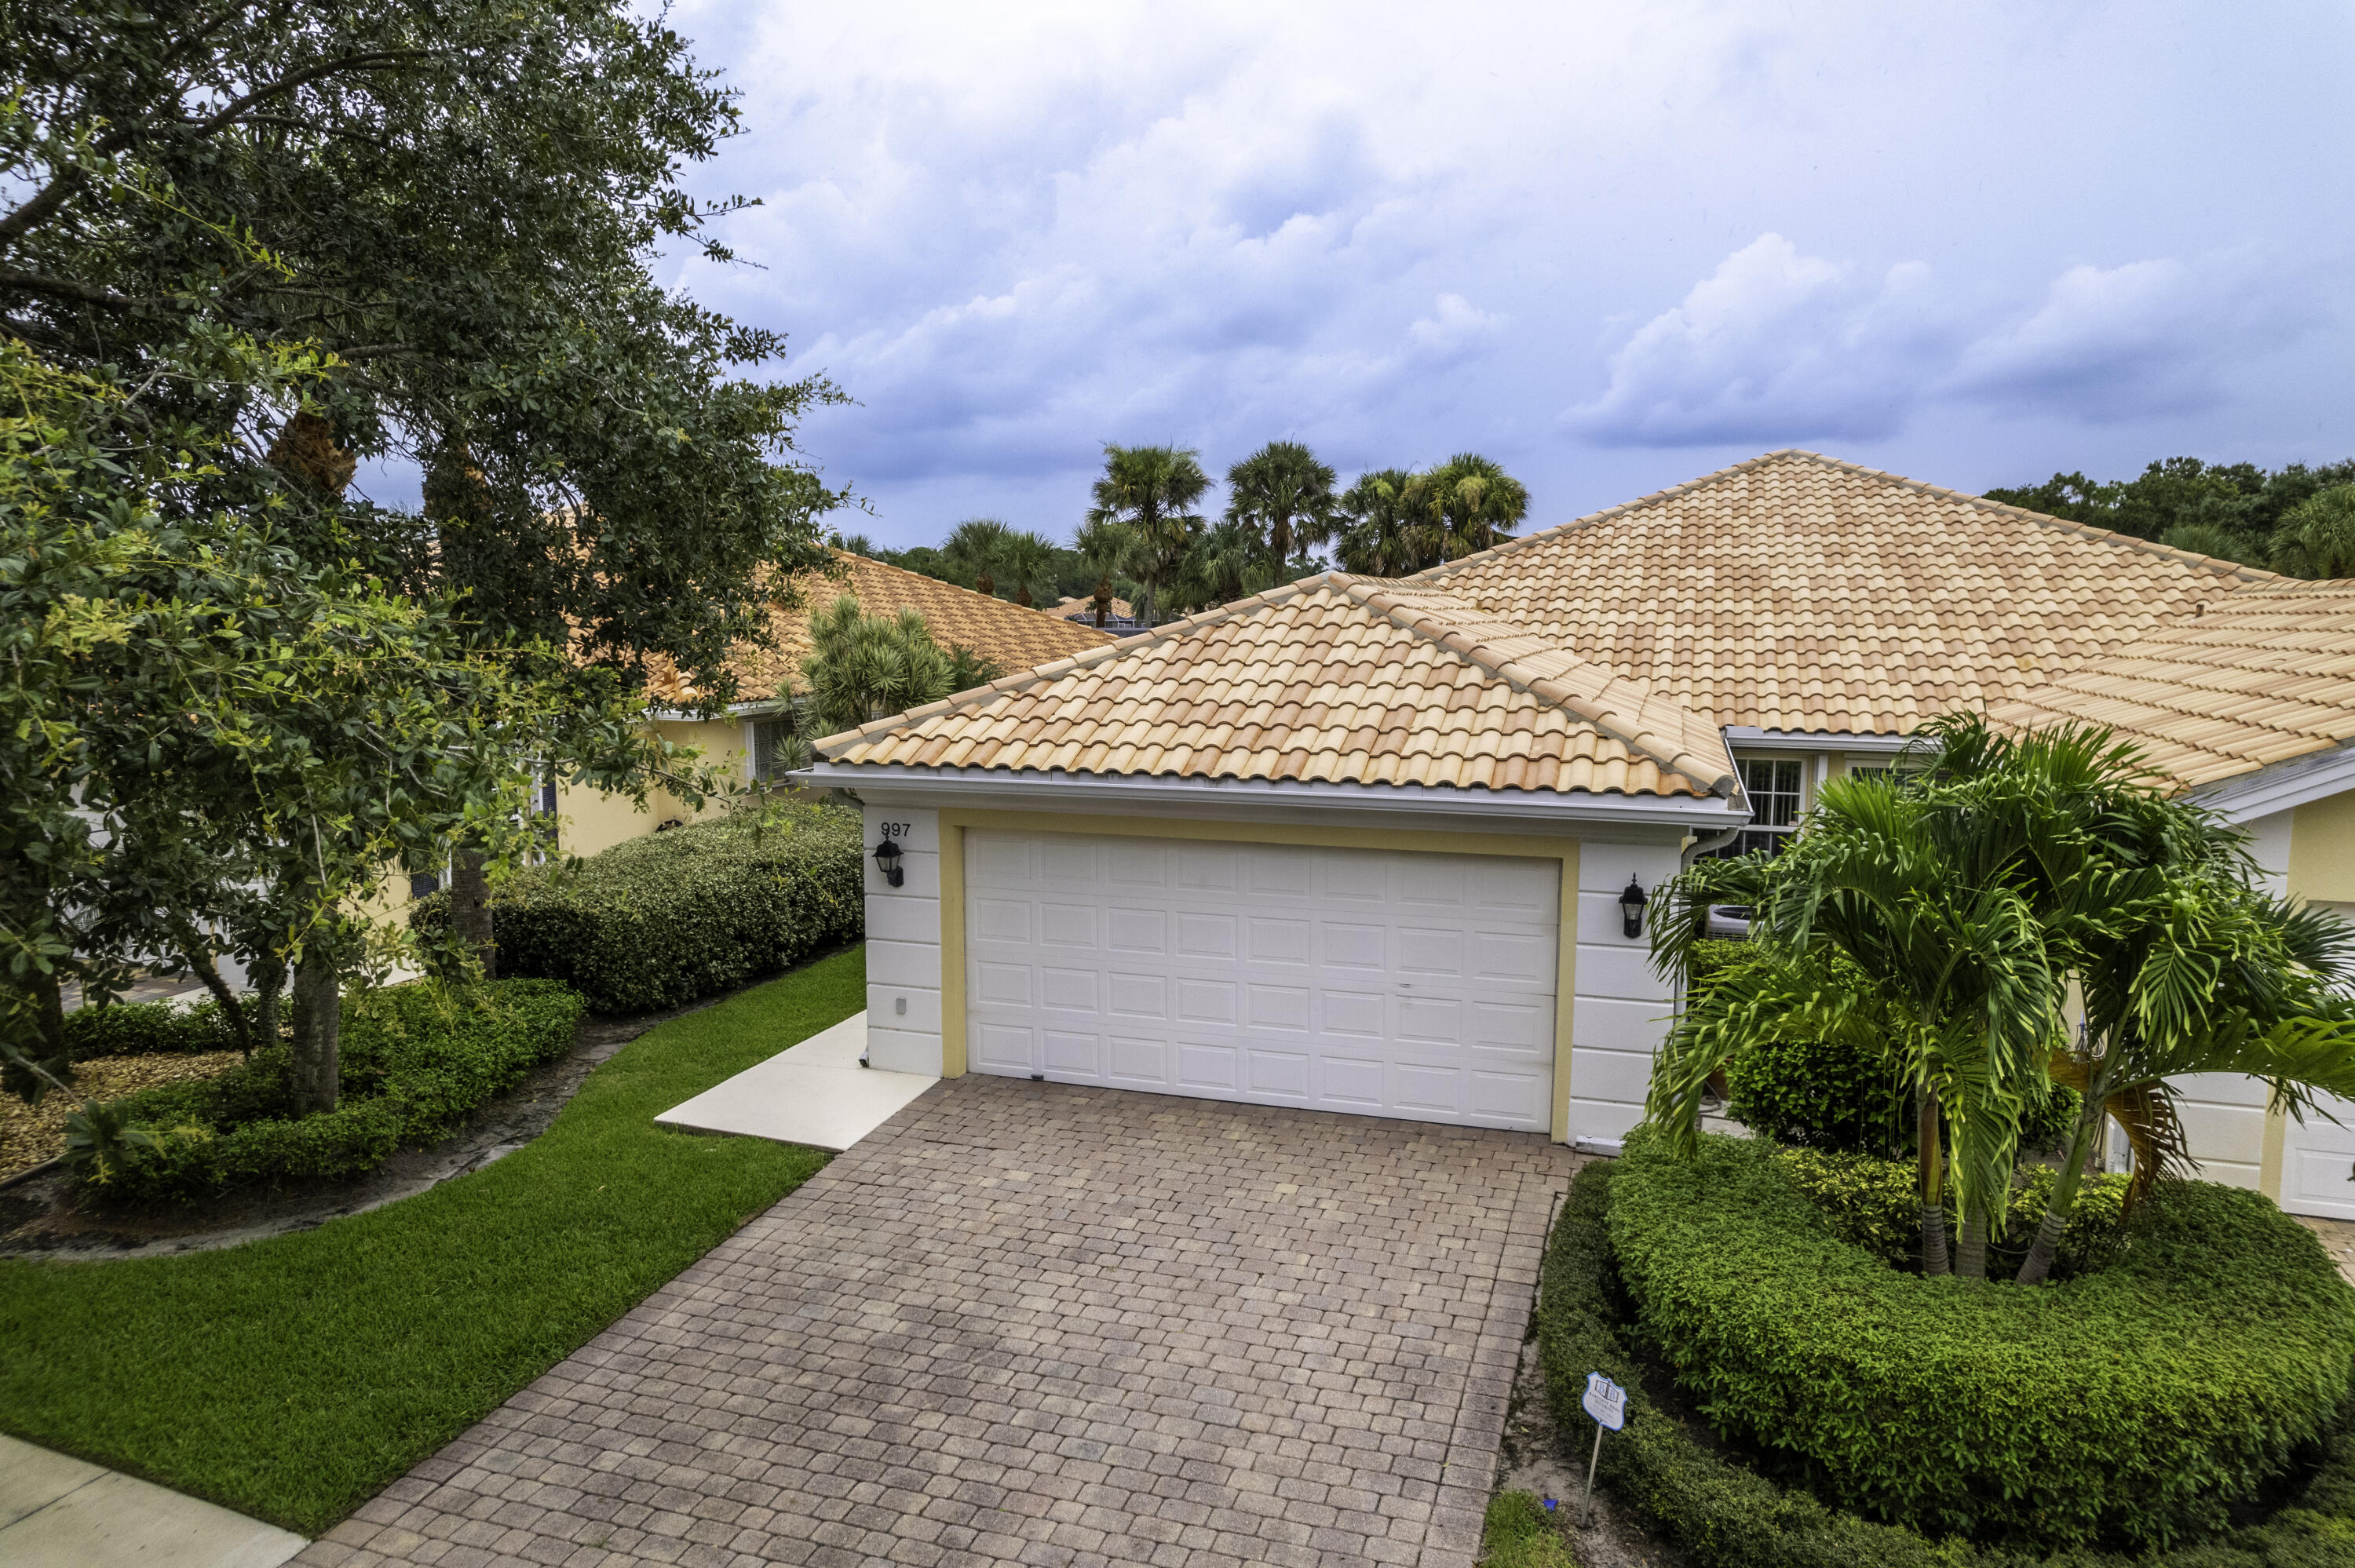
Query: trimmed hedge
[[1877, 1204], [670, 918], [1723, 1515], [416, 1059], [146, 1029], [2136, 1405]]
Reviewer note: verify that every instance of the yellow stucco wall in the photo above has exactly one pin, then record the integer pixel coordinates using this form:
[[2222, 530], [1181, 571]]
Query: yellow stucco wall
[[2322, 849], [591, 820]]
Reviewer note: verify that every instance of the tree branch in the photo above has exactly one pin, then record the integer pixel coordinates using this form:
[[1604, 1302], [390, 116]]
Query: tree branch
[[66, 289]]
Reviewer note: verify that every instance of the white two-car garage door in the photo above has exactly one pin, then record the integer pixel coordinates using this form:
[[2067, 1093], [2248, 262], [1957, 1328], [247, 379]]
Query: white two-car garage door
[[1383, 984]]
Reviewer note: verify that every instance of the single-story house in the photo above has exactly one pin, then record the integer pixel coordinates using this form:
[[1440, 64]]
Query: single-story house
[[1008, 635], [1382, 847]]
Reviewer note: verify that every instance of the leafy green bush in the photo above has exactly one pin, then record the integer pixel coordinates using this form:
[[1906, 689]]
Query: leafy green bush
[[1815, 1094], [416, 1059], [1723, 1515], [146, 1029], [670, 918], [1877, 1204], [2138, 1403]]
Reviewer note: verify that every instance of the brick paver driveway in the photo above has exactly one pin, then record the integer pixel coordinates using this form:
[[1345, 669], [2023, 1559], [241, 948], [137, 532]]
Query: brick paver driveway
[[1034, 1323]]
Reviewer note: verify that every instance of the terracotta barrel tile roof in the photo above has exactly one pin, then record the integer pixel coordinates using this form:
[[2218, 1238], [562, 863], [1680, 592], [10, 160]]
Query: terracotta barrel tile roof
[[1332, 680], [1008, 635], [1796, 592], [2257, 675]]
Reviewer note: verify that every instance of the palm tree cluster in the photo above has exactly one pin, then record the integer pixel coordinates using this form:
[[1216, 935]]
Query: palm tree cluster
[[863, 667], [1946, 917]]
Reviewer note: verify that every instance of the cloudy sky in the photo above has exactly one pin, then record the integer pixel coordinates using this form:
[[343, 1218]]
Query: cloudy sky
[[1611, 247]]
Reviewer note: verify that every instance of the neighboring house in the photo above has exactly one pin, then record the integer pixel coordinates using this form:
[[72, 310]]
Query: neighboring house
[[1360, 845], [1085, 609], [1008, 635]]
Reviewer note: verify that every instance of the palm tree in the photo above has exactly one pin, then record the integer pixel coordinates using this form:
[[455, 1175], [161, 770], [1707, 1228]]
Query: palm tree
[[2317, 536], [976, 545], [1465, 505], [1887, 918], [863, 667], [1026, 558], [1374, 539], [1230, 562], [1108, 546], [1286, 495], [2184, 964], [1152, 490]]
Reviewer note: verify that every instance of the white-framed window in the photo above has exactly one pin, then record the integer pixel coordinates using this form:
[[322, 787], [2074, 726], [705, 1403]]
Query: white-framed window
[[772, 747], [1775, 786]]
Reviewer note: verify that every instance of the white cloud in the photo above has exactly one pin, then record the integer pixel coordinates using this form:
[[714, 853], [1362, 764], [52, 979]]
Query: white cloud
[[1778, 346]]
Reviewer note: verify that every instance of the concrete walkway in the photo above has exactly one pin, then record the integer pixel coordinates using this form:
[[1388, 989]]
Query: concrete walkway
[[814, 1093], [57, 1512], [1036, 1323]]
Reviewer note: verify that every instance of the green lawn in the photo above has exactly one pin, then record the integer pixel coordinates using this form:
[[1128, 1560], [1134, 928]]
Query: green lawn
[[292, 1379]]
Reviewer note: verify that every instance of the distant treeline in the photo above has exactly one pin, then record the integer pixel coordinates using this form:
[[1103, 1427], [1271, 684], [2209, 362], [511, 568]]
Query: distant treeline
[[2298, 520]]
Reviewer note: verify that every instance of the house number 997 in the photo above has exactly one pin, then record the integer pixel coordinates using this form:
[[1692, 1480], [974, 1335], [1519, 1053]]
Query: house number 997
[[895, 830]]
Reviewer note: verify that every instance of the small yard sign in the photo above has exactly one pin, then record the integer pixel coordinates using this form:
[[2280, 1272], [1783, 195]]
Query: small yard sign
[[1606, 1401]]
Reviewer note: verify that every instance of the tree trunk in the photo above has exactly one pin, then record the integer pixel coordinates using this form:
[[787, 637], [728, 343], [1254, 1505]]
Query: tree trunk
[[231, 1009], [1970, 1257], [470, 910], [269, 989], [2038, 1265], [1933, 1214], [49, 1014], [1104, 599], [1022, 594], [318, 1031]]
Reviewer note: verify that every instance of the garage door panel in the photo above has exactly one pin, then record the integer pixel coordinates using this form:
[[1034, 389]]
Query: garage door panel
[[1282, 1074], [1067, 990], [1002, 1047], [1353, 947], [1002, 920], [1068, 926], [1201, 936], [1206, 1001], [1271, 940], [1355, 1013], [1277, 1006], [1129, 930], [1390, 984], [2318, 1162], [1138, 1061], [1204, 1065], [1067, 1051], [1137, 996]]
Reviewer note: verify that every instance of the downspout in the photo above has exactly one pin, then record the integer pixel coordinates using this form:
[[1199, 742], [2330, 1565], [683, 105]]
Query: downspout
[[1694, 848]]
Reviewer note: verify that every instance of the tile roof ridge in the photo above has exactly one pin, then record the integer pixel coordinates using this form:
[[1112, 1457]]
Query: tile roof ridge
[[1659, 727], [1055, 668], [937, 583]]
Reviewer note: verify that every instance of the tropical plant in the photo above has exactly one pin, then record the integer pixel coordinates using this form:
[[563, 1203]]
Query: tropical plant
[[2317, 537], [2184, 963], [1152, 491], [1376, 537], [863, 667], [1466, 505], [1109, 546], [975, 547], [1889, 918], [1285, 496], [1229, 562], [1027, 560]]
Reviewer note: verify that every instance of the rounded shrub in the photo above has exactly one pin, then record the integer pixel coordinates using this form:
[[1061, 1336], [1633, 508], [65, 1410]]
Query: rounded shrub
[[2136, 1405], [147, 1029], [1719, 1513]]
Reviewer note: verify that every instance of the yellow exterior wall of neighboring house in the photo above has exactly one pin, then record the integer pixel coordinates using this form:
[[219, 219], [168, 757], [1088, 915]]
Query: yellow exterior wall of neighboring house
[[2322, 849], [955, 822], [590, 820]]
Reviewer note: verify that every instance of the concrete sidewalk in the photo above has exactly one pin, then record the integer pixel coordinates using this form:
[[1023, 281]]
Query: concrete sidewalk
[[57, 1512], [814, 1093]]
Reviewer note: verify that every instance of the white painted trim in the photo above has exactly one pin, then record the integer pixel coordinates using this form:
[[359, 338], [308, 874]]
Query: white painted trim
[[1064, 791], [2317, 776], [1752, 737]]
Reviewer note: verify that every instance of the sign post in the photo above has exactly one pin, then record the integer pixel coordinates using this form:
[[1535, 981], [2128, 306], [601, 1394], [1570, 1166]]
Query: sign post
[[1607, 1403]]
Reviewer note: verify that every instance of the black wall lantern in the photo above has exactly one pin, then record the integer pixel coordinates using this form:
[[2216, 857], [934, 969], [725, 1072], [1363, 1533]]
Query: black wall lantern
[[886, 861], [1630, 905]]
